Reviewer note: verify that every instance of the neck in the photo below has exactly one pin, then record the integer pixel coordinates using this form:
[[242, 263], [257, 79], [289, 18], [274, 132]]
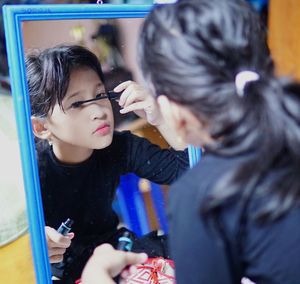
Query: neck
[[70, 154]]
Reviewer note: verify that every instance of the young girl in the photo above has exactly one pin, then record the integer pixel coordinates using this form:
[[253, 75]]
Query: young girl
[[82, 162], [210, 66]]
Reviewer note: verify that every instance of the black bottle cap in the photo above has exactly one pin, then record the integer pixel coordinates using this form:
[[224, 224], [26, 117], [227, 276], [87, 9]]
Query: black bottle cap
[[69, 222]]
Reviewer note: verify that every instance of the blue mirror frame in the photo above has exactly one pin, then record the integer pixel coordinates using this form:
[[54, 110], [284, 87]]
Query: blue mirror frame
[[14, 15]]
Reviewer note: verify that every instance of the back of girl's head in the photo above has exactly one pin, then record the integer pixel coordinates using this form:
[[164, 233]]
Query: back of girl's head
[[192, 51], [48, 74], [196, 47]]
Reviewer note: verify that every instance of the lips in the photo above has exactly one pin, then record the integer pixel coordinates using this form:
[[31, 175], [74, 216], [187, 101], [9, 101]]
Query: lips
[[102, 129]]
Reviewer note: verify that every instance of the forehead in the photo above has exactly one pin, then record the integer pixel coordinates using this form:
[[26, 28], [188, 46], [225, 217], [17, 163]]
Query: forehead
[[84, 73], [83, 80]]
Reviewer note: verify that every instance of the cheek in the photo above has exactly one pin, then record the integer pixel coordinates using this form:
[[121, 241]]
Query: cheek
[[62, 124], [198, 138], [169, 121], [110, 112]]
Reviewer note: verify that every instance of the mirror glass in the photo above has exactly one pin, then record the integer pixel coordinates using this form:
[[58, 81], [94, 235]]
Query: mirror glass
[[110, 32], [113, 41]]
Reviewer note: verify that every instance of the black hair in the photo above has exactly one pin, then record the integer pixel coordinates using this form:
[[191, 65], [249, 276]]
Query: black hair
[[192, 51], [48, 74]]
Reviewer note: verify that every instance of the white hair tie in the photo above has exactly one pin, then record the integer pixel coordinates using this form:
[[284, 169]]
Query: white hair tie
[[242, 78]]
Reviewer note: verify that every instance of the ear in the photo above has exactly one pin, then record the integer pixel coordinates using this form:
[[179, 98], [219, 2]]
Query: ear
[[39, 128], [166, 109], [184, 122]]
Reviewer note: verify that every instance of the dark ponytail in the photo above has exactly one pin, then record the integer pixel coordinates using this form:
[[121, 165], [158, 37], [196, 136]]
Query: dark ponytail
[[269, 135]]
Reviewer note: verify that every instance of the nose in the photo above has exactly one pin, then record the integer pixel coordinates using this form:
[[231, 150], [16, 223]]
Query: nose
[[97, 111]]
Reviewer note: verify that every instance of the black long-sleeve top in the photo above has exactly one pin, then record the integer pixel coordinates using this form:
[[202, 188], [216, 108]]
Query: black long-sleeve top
[[268, 254], [84, 192]]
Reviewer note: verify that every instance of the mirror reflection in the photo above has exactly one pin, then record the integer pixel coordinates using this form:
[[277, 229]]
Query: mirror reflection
[[87, 100]]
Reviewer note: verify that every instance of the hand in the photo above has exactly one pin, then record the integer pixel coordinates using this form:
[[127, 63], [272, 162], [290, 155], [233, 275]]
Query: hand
[[136, 98], [57, 244], [106, 263]]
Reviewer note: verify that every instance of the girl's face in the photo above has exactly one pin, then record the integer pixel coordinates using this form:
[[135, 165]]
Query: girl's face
[[79, 130]]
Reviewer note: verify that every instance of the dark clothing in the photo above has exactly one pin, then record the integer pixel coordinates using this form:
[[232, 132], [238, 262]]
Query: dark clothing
[[268, 254], [84, 192]]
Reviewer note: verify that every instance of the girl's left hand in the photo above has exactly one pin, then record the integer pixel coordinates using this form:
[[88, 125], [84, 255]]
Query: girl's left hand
[[137, 99]]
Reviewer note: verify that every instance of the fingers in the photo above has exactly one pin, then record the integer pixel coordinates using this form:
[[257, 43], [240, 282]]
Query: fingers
[[132, 92], [122, 86], [128, 271], [134, 107], [132, 269], [57, 244], [106, 262], [57, 251], [56, 258], [130, 258], [70, 235], [130, 95], [115, 260], [103, 249], [55, 239], [135, 258]]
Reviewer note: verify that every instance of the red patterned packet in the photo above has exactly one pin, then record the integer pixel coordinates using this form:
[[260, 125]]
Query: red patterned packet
[[153, 271]]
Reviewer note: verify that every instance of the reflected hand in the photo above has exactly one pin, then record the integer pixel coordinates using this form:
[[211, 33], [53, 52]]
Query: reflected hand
[[106, 263], [57, 244], [136, 98]]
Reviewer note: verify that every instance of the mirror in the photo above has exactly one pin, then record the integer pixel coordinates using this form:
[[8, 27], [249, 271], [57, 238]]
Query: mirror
[[20, 21]]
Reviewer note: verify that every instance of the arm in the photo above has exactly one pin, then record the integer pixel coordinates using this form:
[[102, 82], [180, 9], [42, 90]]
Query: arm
[[106, 263], [136, 98], [147, 160]]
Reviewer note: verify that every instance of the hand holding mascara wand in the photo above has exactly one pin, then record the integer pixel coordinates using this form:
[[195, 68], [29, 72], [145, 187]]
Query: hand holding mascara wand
[[63, 229], [58, 240]]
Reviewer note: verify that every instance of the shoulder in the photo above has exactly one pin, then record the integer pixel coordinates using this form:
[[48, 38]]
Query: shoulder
[[204, 174], [189, 192], [122, 137], [126, 141], [119, 143], [119, 148]]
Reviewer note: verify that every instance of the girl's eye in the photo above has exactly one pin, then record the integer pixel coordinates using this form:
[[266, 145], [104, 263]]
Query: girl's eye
[[76, 105], [100, 95]]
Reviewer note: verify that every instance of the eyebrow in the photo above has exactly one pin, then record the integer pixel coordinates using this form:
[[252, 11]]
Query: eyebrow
[[78, 93], [73, 95]]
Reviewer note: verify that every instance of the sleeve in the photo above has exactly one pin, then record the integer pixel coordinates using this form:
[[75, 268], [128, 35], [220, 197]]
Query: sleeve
[[149, 161]]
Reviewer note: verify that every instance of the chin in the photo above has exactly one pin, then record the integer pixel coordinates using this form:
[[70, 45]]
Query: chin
[[105, 142]]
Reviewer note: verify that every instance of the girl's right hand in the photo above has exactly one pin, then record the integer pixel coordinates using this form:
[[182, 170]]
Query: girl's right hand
[[107, 262], [57, 244]]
